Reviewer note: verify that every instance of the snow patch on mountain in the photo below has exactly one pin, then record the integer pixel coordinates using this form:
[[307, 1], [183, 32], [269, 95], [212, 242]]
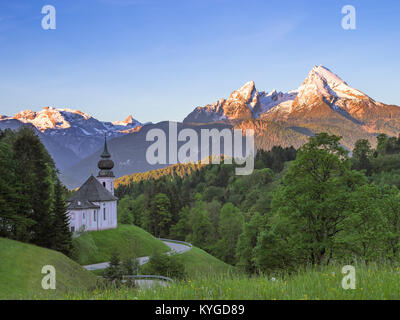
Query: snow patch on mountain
[[128, 121], [246, 92], [269, 100], [209, 113], [245, 102], [323, 82], [51, 118], [72, 129], [48, 118]]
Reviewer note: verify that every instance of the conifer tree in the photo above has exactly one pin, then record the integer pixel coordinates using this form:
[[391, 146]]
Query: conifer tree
[[62, 238], [13, 223], [114, 271], [35, 173]]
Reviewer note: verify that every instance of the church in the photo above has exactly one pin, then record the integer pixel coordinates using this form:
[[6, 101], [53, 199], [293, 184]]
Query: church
[[94, 206]]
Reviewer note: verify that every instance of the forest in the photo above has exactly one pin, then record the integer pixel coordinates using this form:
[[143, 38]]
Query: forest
[[316, 205]]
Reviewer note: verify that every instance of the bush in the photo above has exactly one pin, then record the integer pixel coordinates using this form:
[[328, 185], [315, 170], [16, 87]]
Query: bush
[[166, 265], [130, 266]]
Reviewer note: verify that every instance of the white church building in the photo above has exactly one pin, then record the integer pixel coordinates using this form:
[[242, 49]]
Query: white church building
[[94, 206]]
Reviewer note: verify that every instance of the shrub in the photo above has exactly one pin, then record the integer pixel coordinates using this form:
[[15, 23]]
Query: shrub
[[166, 265]]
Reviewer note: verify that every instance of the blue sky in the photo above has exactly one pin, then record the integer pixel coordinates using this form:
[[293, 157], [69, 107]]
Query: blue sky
[[158, 59]]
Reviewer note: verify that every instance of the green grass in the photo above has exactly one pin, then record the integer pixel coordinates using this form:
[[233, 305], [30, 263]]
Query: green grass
[[199, 263], [316, 284], [97, 246], [20, 272], [209, 278]]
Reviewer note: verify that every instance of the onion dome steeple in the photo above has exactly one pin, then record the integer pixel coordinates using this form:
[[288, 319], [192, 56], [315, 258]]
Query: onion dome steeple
[[105, 164], [105, 153]]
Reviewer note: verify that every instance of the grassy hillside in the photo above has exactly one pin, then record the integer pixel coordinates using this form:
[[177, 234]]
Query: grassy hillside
[[97, 246], [20, 271], [199, 263]]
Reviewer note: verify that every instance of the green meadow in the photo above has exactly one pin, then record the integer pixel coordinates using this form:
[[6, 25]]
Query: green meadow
[[318, 283]]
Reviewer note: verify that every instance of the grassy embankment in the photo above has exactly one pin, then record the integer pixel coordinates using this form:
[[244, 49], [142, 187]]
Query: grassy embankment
[[128, 240], [20, 272]]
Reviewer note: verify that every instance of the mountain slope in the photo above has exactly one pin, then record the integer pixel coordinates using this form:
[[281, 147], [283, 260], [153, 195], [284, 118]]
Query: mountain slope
[[324, 95], [129, 153], [62, 156], [179, 169], [245, 103]]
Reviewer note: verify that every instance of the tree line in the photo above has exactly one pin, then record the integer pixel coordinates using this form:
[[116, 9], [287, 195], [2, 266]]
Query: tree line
[[32, 205]]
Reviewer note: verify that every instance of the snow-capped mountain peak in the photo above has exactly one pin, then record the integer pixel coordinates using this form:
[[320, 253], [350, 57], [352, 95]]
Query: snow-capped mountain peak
[[323, 82], [246, 92], [128, 120], [73, 129], [320, 86], [50, 118], [71, 111], [243, 103]]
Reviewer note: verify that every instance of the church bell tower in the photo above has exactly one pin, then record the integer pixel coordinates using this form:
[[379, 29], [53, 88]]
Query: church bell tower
[[105, 164]]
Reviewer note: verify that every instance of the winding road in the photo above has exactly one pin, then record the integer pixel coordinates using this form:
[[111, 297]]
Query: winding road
[[176, 247]]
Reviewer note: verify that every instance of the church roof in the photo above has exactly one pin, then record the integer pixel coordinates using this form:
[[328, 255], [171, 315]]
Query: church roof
[[92, 190], [82, 204]]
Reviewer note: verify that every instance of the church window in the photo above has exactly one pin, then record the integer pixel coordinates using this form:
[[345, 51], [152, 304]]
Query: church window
[[104, 184], [104, 213], [83, 215], [94, 215]]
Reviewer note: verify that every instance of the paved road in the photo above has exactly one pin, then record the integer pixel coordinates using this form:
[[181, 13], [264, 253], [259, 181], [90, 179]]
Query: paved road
[[178, 248]]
